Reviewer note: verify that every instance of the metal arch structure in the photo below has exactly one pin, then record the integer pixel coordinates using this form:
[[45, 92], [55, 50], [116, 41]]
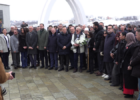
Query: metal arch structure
[[75, 5]]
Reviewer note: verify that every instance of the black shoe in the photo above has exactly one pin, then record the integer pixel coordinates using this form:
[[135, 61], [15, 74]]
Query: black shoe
[[113, 85], [110, 81], [75, 70], [56, 68], [12, 64], [84, 68], [16, 67], [67, 70], [46, 67], [24, 67], [128, 96], [107, 78], [120, 88], [19, 66], [50, 68], [80, 70], [61, 69], [41, 67], [91, 72], [34, 67], [31, 67], [88, 71], [71, 68], [8, 67]]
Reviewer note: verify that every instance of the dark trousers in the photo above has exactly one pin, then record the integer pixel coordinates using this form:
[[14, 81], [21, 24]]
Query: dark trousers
[[33, 59], [43, 54], [5, 59], [100, 62], [91, 65], [16, 59], [54, 59], [109, 67], [76, 60], [84, 63], [96, 60], [38, 60], [72, 59], [64, 58], [24, 59], [121, 77], [116, 75]]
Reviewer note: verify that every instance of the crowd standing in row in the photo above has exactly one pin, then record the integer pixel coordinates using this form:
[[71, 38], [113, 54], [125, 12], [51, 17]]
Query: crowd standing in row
[[112, 50]]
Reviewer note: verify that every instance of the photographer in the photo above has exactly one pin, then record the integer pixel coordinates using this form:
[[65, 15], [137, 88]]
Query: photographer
[[3, 78]]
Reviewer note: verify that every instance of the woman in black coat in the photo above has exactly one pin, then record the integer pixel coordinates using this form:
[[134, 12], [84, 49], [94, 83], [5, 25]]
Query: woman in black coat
[[130, 83], [90, 46], [23, 48]]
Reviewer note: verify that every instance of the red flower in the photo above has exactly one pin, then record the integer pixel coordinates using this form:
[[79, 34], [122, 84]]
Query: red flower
[[126, 47]]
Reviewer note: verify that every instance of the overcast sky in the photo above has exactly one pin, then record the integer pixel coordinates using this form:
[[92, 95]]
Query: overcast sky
[[30, 9]]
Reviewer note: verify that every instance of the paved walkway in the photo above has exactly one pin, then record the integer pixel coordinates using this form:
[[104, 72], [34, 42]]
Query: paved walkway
[[42, 84]]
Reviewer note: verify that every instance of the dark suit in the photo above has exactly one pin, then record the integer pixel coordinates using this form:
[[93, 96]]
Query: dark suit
[[31, 41]]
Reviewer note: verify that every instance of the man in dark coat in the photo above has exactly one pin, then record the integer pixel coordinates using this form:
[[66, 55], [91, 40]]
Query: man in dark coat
[[98, 34], [31, 41], [60, 26], [108, 46], [135, 61], [64, 43], [24, 24], [52, 48]]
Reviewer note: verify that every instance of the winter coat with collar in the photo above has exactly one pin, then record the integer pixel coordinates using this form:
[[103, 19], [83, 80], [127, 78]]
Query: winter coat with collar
[[64, 40], [3, 43], [108, 46], [14, 43], [81, 46], [120, 51], [42, 39], [52, 43], [135, 61], [98, 37], [130, 81], [22, 42]]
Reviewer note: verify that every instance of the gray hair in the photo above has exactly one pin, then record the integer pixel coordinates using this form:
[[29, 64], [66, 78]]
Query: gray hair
[[79, 28]]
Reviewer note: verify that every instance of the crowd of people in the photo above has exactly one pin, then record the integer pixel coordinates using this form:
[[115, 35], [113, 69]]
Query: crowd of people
[[112, 51]]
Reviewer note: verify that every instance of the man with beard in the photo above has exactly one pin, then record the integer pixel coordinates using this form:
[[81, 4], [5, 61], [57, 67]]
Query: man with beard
[[42, 44], [98, 34], [108, 46]]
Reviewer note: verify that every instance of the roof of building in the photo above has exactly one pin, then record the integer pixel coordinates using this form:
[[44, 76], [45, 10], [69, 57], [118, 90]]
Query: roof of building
[[4, 4]]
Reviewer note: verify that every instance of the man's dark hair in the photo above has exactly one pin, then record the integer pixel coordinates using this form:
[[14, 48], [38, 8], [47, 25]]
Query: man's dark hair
[[111, 26], [70, 25], [124, 33], [41, 24], [129, 26], [96, 24], [50, 26]]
